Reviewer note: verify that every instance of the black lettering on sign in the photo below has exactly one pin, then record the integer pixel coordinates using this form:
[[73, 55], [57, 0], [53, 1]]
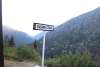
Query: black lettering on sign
[[38, 26]]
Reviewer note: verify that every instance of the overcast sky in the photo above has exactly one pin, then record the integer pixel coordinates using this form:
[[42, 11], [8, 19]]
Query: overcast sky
[[21, 14]]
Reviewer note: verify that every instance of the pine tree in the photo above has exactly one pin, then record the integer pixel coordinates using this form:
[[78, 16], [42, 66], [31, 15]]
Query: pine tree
[[5, 40], [35, 44], [11, 42]]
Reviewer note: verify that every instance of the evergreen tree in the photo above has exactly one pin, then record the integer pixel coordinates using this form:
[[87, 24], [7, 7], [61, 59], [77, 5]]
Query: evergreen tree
[[35, 44], [5, 40], [11, 42]]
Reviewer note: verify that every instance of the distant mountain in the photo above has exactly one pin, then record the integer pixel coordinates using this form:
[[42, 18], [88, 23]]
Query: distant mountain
[[21, 38], [38, 36], [79, 34]]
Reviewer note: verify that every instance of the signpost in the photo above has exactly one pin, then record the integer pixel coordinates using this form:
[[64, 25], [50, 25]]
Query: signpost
[[44, 27]]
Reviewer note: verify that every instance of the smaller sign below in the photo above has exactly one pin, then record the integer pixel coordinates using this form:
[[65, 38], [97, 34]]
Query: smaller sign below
[[44, 27]]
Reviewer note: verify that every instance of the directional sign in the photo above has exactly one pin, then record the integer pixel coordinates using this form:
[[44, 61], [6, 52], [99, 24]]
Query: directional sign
[[44, 27]]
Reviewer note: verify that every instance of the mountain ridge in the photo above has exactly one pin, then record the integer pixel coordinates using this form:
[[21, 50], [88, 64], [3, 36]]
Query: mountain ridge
[[20, 37], [79, 34]]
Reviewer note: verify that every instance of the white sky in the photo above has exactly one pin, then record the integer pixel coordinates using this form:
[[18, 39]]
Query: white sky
[[21, 14]]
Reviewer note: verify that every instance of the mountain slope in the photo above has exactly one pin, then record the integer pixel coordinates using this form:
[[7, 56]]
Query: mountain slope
[[79, 34], [20, 37], [38, 36]]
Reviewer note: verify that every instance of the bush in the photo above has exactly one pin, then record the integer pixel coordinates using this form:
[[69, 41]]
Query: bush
[[26, 53], [72, 60], [9, 52], [22, 53], [53, 62]]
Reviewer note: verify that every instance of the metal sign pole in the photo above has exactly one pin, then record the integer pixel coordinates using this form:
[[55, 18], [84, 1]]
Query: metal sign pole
[[44, 27], [43, 49]]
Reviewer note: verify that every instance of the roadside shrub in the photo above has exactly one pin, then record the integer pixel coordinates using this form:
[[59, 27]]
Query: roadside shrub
[[26, 53], [73, 60], [9, 52]]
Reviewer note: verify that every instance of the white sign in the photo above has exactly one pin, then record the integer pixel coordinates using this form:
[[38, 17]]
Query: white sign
[[45, 27]]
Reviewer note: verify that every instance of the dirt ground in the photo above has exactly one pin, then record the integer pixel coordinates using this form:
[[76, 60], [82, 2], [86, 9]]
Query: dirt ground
[[8, 63]]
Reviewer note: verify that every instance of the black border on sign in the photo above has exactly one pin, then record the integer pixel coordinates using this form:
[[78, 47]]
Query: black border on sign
[[34, 27], [1, 38]]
